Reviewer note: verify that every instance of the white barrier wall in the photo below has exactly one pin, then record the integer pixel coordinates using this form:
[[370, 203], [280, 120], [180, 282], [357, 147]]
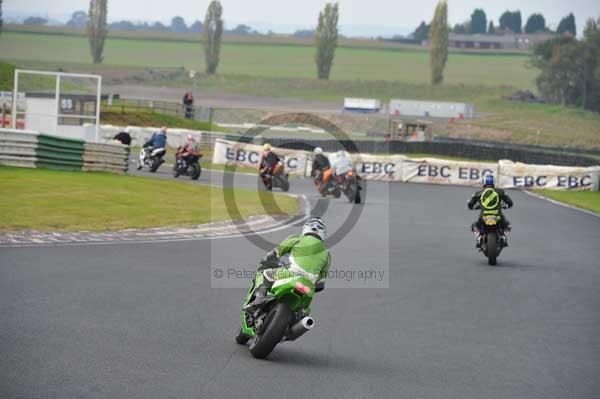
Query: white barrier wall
[[424, 170], [520, 175], [139, 135], [440, 171], [241, 154]]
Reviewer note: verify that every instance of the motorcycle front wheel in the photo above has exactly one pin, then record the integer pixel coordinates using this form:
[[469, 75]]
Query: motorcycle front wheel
[[195, 171]]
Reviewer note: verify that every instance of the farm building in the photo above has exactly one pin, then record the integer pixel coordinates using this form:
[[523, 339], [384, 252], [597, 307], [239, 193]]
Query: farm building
[[508, 41]]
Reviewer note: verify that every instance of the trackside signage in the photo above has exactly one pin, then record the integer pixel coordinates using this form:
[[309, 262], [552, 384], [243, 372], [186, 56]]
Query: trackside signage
[[520, 175], [241, 154], [373, 167], [439, 171], [400, 168]]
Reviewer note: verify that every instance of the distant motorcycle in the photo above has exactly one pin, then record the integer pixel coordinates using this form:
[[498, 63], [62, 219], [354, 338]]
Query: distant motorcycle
[[493, 237], [327, 185], [190, 167], [152, 159], [278, 179], [349, 184]]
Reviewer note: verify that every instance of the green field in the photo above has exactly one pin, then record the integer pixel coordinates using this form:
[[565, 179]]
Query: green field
[[46, 200], [589, 200], [285, 68], [409, 65]]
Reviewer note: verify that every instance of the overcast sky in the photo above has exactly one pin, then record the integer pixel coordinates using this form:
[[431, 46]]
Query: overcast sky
[[303, 13]]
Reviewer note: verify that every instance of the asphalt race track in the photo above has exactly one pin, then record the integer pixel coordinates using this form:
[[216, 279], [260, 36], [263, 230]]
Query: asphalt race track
[[142, 321]]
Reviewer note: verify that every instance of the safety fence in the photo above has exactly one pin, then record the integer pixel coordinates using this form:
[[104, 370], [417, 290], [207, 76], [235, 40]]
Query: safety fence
[[37, 150], [400, 168]]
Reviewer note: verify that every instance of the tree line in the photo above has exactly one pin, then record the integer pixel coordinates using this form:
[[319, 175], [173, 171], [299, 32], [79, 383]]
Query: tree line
[[325, 34], [79, 19], [570, 68], [509, 22]]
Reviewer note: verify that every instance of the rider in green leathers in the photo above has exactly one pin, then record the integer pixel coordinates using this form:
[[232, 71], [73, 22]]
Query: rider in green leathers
[[308, 257]]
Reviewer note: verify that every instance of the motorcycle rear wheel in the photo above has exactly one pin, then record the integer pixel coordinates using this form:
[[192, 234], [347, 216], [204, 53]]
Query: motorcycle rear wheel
[[276, 324], [357, 198], [284, 184]]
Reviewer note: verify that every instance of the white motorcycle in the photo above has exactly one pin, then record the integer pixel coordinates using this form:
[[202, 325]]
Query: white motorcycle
[[152, 159]]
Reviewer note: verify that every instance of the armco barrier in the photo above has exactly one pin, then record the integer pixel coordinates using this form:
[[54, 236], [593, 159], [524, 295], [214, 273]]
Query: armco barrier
[[17, 148], [31, 149], [59, 153], [105, 157]]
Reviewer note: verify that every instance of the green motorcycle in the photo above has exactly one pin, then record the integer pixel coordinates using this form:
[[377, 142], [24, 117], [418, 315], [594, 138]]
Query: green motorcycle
[[282, 316]]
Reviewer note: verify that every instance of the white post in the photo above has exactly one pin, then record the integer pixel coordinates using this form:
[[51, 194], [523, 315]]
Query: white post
[[14, 100], [98, 98], [57, 99]]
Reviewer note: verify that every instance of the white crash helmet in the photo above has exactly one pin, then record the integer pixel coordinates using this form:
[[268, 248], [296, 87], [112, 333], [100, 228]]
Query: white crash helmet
[[318, 150], [315, 226]]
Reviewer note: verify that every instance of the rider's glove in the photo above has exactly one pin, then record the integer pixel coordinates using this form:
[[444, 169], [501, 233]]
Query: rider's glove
[[269, 261]]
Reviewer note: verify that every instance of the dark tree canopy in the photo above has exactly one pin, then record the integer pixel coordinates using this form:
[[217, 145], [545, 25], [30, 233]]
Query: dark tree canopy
[[35, 21], [178, 25], [422, 32], [460, 29], [491, 28], [535, 23], [196, 27], [79, 19], [567, 24], [478, 22], [570, 69], [511, 20]]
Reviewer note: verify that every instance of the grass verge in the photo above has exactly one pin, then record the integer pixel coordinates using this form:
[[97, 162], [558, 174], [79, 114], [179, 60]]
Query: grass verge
[[589, 200], [147, 118], [46, 200]]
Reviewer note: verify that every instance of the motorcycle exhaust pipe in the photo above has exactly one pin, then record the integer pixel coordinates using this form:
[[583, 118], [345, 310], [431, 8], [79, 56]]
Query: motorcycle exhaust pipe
[[301, 327]]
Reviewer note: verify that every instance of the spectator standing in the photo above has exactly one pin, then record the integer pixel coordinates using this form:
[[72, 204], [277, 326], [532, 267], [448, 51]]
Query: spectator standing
[[188, 102]]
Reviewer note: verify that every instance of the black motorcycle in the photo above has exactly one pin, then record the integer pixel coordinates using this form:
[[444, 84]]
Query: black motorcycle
[[493, 237], [349, 184], [190, 166]]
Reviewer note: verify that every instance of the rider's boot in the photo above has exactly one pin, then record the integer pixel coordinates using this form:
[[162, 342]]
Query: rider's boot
[[477, 234], [507, 230]]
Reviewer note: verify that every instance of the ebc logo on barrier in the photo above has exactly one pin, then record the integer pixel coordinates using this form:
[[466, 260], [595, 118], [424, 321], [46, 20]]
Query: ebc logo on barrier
[[569, 182], [473, 173], [445, 171], [377, 168], [241, 155], [253, 157]]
